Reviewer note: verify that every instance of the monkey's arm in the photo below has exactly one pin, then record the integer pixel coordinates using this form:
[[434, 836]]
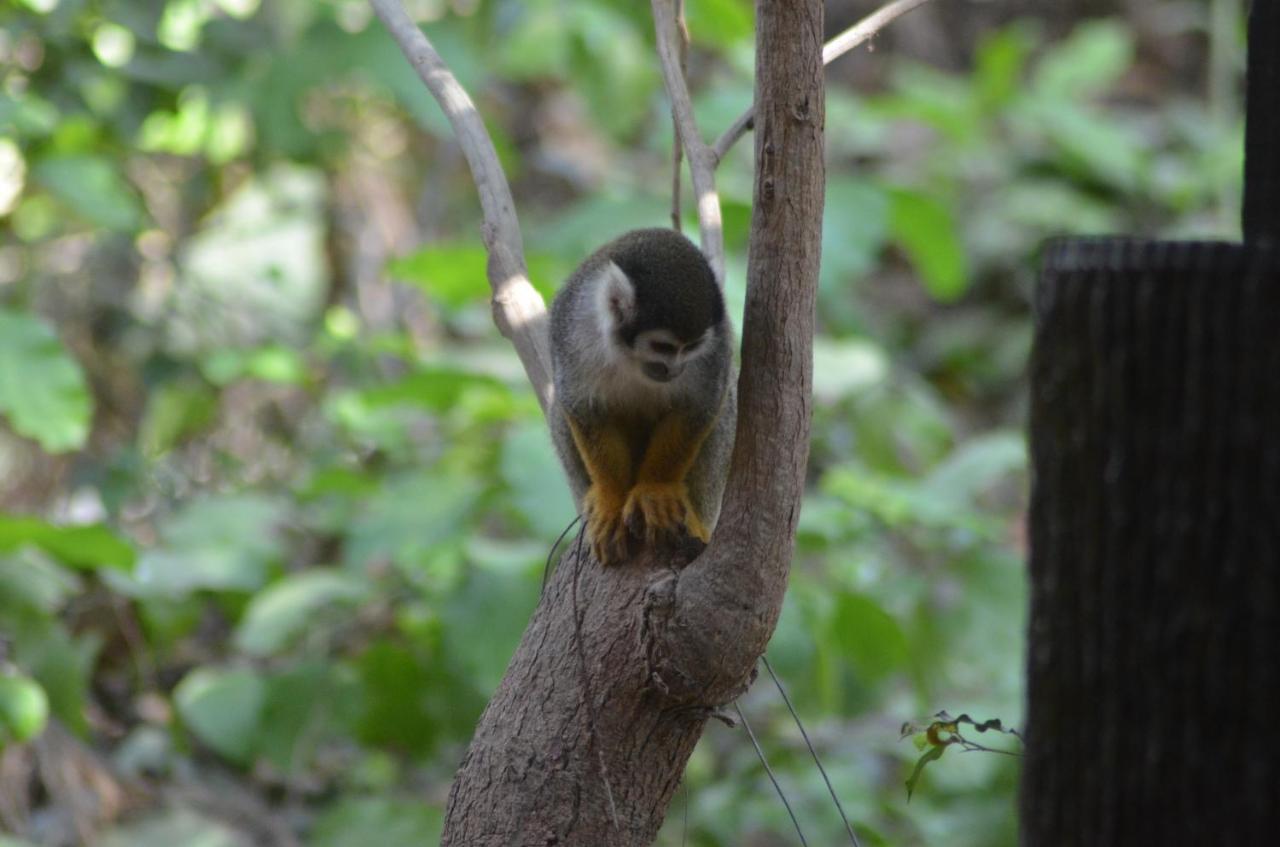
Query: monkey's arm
[[605, 454], [659, 501]]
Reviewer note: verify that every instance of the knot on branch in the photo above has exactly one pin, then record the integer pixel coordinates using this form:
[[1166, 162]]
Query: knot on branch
[[679, 667]]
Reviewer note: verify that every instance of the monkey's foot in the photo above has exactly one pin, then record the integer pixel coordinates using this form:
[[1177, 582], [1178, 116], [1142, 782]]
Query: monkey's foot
[[658, 510], [606, 530]]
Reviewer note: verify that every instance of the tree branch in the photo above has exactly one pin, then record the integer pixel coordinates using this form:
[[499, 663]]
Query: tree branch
[[677, 160], [518, 309], [713, 622], [861, 32], [702, 162]]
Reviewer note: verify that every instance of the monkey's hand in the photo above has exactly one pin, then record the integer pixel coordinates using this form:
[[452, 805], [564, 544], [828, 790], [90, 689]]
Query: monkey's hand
[[662, 510], [603, 509]]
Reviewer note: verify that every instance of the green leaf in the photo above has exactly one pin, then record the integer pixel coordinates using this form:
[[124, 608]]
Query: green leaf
[[87, 547], [435, 388], [276, 364], [396, 703], [42, 389], [172, 827], [536, 481], [453, 274], [723, 23], [223, 709], [869, 637], [24, 708], [1000, 60], [484, 621], [409, 518], [281, 613], [61, 664], [220, 543], [1090, 61], [174, 411], [93, 187], [383, 821], [933, 754], [308, 707], [855, 226], [927, 232]]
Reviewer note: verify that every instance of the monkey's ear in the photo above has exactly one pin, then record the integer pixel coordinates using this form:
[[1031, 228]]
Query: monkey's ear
[[618, 295]]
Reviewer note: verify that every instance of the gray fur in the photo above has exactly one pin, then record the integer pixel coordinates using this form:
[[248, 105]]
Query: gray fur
[[596, 373]]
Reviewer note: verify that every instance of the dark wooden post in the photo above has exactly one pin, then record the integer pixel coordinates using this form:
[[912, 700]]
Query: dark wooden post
[[1154, 643]]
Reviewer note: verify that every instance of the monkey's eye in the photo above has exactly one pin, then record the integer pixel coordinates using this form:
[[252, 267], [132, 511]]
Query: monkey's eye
[[663, 348]]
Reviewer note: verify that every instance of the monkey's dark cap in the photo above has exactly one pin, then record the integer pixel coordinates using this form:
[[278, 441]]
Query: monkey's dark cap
[[675, 287]]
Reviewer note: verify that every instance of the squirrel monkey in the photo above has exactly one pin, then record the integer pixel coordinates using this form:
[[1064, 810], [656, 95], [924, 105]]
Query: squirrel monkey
[[645, 402]]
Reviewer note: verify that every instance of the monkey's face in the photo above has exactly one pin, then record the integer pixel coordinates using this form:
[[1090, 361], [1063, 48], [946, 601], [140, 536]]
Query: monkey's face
[[661, 356]]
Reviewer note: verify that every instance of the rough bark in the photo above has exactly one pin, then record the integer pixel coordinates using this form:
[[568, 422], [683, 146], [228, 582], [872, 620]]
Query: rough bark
[[619, 669], [1154, 643]]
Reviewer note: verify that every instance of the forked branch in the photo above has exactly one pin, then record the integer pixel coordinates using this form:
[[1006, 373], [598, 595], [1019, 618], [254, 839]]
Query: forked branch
[[518, 309], [702, 162], [860, 33]]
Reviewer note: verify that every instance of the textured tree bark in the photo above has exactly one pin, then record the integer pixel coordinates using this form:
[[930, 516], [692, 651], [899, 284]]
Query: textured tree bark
[[585, 741], [1154, 651]]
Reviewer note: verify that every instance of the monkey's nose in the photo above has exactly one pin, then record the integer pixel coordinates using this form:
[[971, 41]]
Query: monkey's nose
[[658, 372]]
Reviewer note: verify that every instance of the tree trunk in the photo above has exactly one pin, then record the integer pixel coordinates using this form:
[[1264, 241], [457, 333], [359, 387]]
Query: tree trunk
[[1155, 525], [1155, 547], [585, 741]]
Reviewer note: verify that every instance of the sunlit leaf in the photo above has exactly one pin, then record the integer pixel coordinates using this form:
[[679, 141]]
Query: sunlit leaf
[[453, 274], [24, 708], [285, 610], [42, 389]]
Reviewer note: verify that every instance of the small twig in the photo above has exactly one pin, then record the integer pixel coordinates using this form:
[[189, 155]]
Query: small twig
[[702, 162], [769, 771], [518, 309], [863, 31], [812, 751], [676, 159]]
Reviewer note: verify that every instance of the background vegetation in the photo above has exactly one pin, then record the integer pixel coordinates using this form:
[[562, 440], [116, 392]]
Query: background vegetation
[[275, 501]]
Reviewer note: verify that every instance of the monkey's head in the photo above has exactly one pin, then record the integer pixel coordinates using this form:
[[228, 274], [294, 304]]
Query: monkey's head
[[659, 306]]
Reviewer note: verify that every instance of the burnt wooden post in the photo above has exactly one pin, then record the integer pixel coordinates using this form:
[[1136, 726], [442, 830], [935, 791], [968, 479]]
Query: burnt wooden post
[[1154, 643]]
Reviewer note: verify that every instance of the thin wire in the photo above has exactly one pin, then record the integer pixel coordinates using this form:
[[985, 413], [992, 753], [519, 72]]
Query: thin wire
[[769, 771], [684, 833], [546, 569], [848, 828]]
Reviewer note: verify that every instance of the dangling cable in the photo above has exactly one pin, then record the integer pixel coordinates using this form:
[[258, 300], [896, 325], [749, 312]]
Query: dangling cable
[[551, 554], [769, 770], [812, 752]]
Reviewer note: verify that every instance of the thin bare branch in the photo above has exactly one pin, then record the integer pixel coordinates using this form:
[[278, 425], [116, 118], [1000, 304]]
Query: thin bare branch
[[677, 160], [860, 33], [518, 309], [701, 159]]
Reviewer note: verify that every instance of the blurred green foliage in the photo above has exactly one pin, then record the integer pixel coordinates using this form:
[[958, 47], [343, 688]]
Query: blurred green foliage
[[277, 500]]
